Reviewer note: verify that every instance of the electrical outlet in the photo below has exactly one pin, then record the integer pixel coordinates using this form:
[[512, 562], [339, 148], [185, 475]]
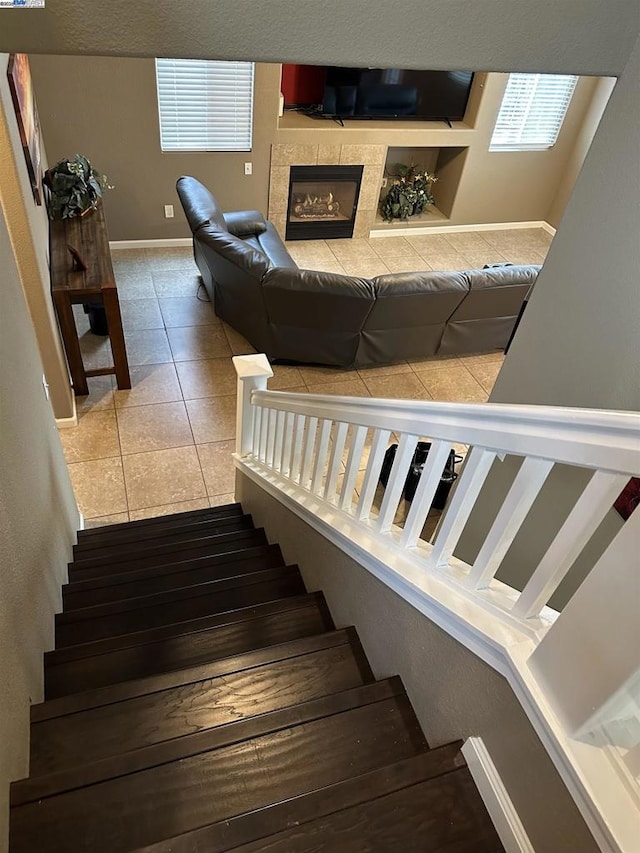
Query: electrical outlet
[[168, 211], [45, 386], [248, 168]]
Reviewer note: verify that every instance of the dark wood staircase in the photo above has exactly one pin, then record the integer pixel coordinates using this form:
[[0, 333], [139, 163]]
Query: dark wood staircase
[[199, 700]]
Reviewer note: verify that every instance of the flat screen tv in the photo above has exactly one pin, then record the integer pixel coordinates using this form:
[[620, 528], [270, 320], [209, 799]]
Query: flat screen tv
[[394, 93]]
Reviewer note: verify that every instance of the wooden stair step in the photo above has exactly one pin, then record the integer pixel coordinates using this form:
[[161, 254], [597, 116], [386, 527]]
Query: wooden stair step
[[171, 576], [225, 543], [122, 551], [115, 720], [184, 644], [113, 532], [265, 824], [170, 788], [132, 615]]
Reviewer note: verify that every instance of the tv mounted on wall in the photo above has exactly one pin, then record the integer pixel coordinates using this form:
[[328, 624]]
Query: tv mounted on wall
[[380, 93]]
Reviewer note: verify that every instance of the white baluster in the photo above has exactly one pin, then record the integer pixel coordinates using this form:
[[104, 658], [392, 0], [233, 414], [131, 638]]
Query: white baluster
[[309, 444], [279, 441], [476, 468], [372, 474], [396, 481], [590, 508], [296, 451], [335, 460], [425, 493], [285, 462], [264, 430], [252, 371], [321, 456], [528, 482], [358, 438], [271, 436]]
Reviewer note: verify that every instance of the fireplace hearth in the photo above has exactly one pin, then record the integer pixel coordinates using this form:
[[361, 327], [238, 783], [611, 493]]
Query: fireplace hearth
[[322, 202]]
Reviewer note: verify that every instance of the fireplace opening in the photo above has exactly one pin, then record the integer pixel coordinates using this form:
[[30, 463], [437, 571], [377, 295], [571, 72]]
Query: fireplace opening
[[322, 202]]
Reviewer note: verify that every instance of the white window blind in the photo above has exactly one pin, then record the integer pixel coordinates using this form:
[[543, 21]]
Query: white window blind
[[205, 105], [532, 111]]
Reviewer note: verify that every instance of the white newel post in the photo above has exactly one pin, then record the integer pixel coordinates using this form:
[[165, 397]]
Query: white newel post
[[589, 661], [253, 371]]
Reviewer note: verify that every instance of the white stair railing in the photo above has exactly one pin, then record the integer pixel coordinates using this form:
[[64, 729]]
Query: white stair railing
[[311, 451]]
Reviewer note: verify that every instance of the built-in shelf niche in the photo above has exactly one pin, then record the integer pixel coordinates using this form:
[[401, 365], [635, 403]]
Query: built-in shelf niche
[[447, 163]]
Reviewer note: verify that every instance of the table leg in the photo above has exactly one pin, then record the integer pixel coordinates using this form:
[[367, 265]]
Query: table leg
[[114, 323], [70, 341]]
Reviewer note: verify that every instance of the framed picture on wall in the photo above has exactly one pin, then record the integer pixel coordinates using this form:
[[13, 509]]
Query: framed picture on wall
[[24, 105]]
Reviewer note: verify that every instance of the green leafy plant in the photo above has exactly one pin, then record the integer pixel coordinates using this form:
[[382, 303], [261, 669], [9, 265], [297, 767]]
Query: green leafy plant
[[75, 187], [409, 193]]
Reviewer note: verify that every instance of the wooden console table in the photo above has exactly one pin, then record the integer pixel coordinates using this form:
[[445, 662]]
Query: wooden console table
[[87, 278]]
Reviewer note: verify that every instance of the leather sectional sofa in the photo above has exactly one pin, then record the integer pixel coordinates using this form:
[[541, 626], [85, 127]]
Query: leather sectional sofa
[[300, 315]]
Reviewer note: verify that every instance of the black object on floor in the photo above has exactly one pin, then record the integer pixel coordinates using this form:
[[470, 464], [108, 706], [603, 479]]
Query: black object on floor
[[447, 480]]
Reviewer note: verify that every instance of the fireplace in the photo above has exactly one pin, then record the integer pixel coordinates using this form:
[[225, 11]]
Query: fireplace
[[322, 202]]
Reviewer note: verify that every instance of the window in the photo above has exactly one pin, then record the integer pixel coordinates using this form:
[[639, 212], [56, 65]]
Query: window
[[205, 105], [532, 111]]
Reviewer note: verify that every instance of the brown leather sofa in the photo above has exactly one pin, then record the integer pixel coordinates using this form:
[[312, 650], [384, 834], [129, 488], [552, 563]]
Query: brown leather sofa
[[316, 317]]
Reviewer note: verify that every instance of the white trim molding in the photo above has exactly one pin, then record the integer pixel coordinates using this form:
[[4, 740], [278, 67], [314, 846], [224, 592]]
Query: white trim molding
[[419, 231], [167, 243], [71, 421], [494, 795]]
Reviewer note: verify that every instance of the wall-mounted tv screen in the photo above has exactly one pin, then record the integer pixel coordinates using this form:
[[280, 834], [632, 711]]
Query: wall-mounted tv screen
[[381, 93]]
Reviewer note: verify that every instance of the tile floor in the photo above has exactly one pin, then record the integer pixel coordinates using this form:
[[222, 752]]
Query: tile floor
[[165, 445]]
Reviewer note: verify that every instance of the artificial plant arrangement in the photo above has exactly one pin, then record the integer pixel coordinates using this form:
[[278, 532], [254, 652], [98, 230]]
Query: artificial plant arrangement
[[409, 193], [75, 187]]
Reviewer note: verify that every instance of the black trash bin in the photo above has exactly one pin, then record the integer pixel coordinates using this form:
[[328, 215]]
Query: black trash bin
[[447, 480], [97, 318]]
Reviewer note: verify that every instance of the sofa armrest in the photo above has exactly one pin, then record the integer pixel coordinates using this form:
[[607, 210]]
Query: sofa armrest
[[245, 223]]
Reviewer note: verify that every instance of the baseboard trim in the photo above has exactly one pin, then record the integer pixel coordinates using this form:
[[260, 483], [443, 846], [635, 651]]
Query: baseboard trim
[[72, 421], [495, 797], [169, 243], [450, 229], [81, 524]]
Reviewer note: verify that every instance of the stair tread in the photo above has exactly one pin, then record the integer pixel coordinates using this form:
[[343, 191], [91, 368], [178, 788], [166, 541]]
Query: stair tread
[[121, 552], [266, 824], [118, 719], [131, 616], [165, 790], [130, 584], [172, 647], [224, 543], [113, 530]]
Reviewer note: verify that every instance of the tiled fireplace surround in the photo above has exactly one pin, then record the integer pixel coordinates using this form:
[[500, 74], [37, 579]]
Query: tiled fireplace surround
[[372, 157]]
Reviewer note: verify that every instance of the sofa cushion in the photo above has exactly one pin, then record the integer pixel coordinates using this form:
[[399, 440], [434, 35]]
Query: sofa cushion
[[239, 253], [244, 223], [199, 205], [496, 292]]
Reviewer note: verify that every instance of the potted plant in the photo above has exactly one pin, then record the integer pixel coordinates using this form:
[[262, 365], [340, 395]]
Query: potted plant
[[75, 187], [409, 193]]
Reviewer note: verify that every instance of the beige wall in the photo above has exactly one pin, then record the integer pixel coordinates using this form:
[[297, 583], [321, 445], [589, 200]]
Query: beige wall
[[38, 517], [106, 108], [29, 232], [455, 695]]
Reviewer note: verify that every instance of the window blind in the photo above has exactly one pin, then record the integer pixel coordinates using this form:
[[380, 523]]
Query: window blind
[[205, 105], [532, 111]]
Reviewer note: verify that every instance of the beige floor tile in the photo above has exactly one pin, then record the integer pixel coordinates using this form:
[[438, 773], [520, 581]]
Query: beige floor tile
[[99, 487], [177, 258], [150, 383], [212, 377], [134, 284], [466, 241], [217, 466], [411, 263], [483, 358], [238, 344], [191, 343], [352, 388], [140, 314], [523, 256], [96, 351], [477, 258], [486, 374], [163, 477], [222, 500], [435, 362], [352, 250], [212, 419], [168, 509], [169, 283], [307, 253], [129, 260], [404, 386], [95, 437], [284, 377], [311, 375], [387, 370], [423, 244], [148, 346], [105, 520], [154, 427], [187, 311], [365, 267], [455, 385], [99, 398], [391, 247], [446, 261]]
